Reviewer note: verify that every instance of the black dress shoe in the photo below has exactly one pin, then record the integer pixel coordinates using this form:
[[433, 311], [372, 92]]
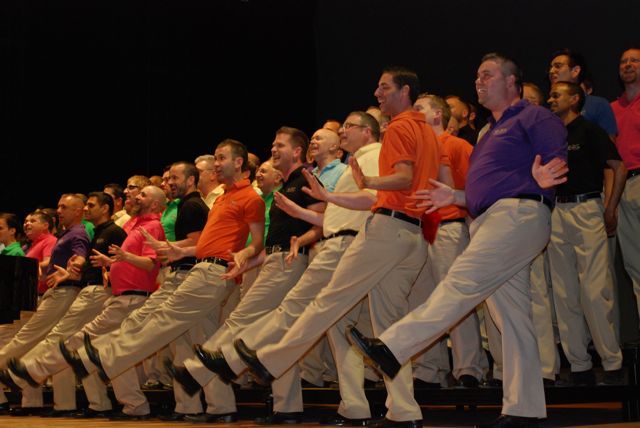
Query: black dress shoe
[[4, 408], [53, 413], [94, 357], [250, 358], [493, 383], [215, 362], [73, 359], [508, 421], [92, 414], [376, 350], [183, 377], [20, 370], [27, 411], [280, 418], [467, 381], [120, 416], [5, 378], [387, 423], [341, 421], [207, 418]]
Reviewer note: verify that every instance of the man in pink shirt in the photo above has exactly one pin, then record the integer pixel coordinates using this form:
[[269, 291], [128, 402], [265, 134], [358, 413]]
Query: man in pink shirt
[[37, 227], [627, 112]]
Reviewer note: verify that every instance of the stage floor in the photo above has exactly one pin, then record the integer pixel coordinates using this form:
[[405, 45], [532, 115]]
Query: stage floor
[[600, 415]]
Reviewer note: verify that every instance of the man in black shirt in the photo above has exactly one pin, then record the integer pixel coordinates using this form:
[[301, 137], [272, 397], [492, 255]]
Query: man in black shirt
[[582, 282]]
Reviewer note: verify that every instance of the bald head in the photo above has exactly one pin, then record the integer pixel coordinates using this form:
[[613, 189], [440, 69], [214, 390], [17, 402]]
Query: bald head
[[324, 146], [151, 200]]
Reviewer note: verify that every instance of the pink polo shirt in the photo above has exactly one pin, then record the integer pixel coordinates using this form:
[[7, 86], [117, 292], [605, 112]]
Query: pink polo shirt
[[628, 120], [41, 248], [125, 276]]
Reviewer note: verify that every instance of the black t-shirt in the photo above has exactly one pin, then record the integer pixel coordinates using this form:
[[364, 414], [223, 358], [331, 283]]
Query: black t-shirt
[[282, 226], [192, 216], [469, 134], [589, 150], [106, 234]]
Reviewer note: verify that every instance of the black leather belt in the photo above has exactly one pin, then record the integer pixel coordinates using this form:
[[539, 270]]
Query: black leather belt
[[135, 293], [184, 266], [346, 232], [399, 215], [582, 197], [452, 220], [633, 173], [214, 260], [529, 196], [69, 284], [279, 248]]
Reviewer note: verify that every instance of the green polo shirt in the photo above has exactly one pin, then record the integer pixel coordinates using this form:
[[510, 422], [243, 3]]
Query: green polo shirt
[[168, 219], [13, 249]]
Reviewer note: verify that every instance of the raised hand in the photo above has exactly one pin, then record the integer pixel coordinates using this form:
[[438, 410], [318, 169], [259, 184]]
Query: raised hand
[[315, 189], [57, 277], [357, 173], [99, 260], [286, 204], [551, 174], [440, 196]]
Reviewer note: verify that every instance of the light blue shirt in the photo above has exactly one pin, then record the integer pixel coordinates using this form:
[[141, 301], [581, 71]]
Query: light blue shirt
[[330, 174]]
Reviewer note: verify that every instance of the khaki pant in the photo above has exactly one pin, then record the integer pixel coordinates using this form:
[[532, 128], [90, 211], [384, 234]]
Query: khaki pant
[[496, 267], [582, 284], [382, 261], [451, 240], [629, 231], [85, 307], [275, 280]]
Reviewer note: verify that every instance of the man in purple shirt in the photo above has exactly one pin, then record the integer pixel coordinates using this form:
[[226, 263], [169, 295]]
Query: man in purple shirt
[[510, 202]]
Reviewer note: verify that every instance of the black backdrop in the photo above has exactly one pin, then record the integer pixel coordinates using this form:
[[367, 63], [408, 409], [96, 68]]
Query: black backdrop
[[95, 91]]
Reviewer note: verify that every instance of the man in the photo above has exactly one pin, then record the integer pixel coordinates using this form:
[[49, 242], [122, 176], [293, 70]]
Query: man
[[346, 212], [460, 111], [578, 253], [276, 277], [233, 216], [510, 228], [570, 66], [135, 183], [452, 238], [386, 255], [37, 227], [324, 148], [626, 109], [532, 93], [170, 213], [208, 184], [73, 241], [191, 218], [120, 216]]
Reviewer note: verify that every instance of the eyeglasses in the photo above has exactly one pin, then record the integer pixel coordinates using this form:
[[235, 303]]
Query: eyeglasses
[[132, 186], [348, 125]]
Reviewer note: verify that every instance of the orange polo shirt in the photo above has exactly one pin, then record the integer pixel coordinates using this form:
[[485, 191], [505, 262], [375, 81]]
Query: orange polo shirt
[[409, 138], [458, 151], [227, 226]]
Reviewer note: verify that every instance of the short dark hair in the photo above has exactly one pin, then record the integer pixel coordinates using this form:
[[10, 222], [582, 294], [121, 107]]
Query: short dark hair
[[103, 199], [575, 89], [238, 150], [575, 59], [403, 76], [190, 170], [508, 66], [12, 223], [116, 189], [298, 139]]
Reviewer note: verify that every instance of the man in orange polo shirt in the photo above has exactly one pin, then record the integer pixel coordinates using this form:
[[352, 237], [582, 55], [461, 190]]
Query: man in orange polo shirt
[[235, 214], [451, 240], [386, 255]]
